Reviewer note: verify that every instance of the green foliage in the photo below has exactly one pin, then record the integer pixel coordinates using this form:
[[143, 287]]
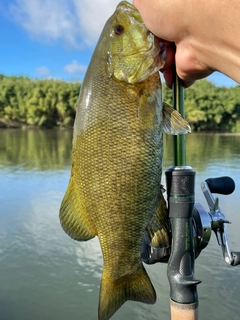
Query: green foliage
[[50, 103], [211, 108], [42, 103]]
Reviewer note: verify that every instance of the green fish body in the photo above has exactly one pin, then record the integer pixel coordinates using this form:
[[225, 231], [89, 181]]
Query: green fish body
[[115, 184]]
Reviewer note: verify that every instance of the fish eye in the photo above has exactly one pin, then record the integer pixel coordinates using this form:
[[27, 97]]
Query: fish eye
[[118, 29]]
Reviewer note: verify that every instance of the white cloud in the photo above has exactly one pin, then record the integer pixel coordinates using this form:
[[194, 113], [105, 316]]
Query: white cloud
[[42, 71], [92, 16], [46, 19], [77, 22], [75, 68]]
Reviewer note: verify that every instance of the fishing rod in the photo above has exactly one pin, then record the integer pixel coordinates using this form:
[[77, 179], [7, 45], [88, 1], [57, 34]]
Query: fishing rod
[[191, 225], [180, 182]]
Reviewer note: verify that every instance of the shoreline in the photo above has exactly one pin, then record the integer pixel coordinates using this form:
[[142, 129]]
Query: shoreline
[[15, 125]]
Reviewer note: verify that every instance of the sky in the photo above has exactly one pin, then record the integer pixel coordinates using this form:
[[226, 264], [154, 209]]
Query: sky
[[55, 38]]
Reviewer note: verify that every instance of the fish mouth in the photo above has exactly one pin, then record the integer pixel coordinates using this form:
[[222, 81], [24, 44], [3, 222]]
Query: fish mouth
[[146, 51], [153, 49], [131, 10]]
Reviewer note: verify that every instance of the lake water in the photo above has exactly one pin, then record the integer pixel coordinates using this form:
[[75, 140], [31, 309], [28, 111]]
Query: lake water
[[45, 275]]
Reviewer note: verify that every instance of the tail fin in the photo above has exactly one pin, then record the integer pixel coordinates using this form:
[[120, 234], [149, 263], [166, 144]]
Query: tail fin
[[113, 294]]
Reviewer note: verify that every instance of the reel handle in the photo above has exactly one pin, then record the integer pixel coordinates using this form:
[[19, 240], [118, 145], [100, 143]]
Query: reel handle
[[221, 185]]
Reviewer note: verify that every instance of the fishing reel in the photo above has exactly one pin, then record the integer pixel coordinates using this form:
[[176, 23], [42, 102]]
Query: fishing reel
[[203, 222], [214, 220]]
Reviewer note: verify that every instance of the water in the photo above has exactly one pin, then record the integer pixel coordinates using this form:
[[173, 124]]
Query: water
[[45, 275]]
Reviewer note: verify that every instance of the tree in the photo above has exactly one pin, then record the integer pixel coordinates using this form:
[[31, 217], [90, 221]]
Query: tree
[[50, 103]]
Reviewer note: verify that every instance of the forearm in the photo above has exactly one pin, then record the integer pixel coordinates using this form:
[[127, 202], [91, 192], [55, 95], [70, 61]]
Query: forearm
[[215, 35]]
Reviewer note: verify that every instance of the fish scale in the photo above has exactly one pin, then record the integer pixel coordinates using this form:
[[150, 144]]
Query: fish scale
[[119, 167], [114, 190]]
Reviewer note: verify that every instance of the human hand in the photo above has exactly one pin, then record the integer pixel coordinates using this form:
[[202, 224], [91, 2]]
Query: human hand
[[174, 58], [178, 46]]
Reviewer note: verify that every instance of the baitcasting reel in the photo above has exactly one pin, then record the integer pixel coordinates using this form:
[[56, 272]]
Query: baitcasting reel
[[203, 223], [214, 220]]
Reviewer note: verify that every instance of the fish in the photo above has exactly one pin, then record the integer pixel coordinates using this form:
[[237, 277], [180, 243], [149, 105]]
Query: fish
[[114, 191]]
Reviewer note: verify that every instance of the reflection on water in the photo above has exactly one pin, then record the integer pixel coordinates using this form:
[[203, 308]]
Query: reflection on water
[[208, 151], [46, 275], [35, 149]]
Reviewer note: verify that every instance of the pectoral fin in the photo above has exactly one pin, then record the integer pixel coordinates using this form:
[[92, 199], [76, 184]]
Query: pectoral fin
[[156, 243], [73, 217], [173, 123], [158, 230]]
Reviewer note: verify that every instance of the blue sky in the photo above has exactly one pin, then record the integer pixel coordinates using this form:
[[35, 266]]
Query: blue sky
[[55, 38]]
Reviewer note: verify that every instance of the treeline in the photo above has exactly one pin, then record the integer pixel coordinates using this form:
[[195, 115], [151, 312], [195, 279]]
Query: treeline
[[42, 103], [50, 103], [211, 108]]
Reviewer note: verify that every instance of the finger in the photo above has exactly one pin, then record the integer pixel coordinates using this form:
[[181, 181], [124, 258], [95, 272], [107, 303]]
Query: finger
[[168, 55], [168, 76]]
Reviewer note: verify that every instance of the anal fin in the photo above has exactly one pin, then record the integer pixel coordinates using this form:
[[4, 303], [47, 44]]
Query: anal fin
[[73, 218]]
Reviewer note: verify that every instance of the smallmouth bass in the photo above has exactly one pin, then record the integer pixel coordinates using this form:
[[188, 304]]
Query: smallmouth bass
[[114, 190]]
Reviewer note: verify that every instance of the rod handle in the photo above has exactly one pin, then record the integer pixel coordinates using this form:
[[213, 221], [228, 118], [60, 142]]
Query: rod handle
[[183, 311]]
